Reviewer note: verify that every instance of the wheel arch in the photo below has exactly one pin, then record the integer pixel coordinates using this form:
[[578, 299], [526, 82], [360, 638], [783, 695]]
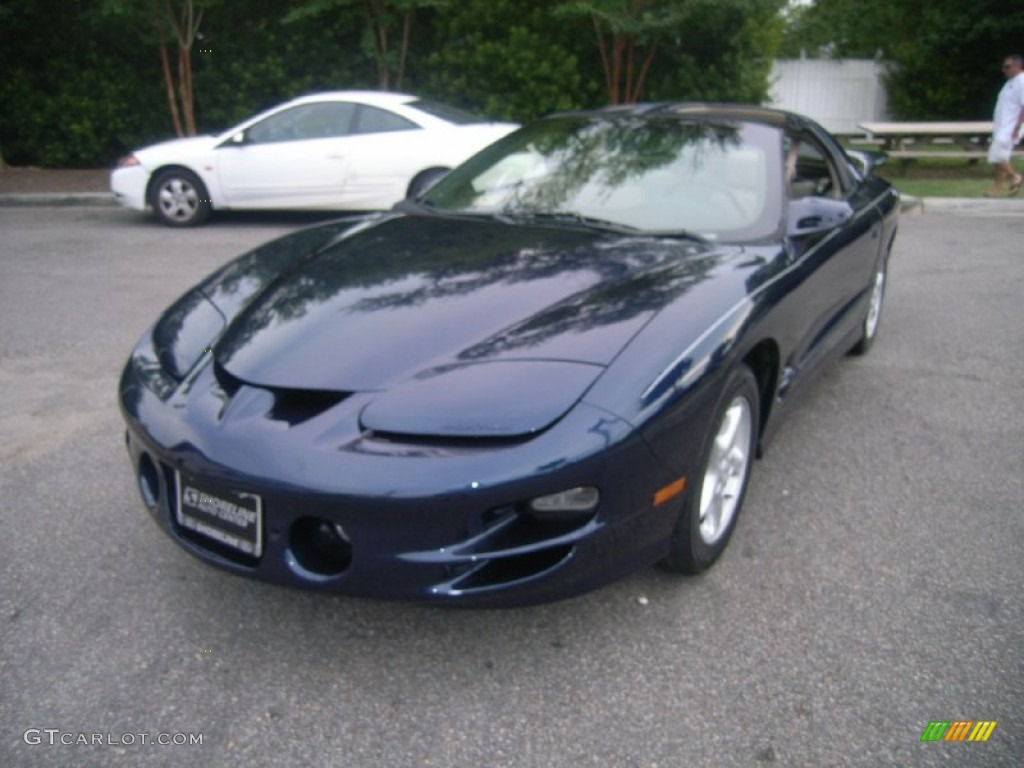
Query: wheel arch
[[411, 188], [157, 172], [763, 361]]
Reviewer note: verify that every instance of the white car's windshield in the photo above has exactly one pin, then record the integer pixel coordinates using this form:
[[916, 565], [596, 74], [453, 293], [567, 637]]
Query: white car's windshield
[[651, 174]]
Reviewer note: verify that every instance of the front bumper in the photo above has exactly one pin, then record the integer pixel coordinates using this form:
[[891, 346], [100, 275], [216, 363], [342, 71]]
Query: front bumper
[[129, 186], [443, 523]]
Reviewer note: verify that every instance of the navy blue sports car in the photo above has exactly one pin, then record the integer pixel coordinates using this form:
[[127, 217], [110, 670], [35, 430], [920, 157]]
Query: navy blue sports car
[[553, 367]]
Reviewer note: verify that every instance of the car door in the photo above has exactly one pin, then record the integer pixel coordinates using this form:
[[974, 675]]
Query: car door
[[833, 266], [387, 150], [292, 159]]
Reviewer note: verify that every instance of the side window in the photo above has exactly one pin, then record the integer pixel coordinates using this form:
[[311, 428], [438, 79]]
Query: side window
[[374, 120], [307, 121], [809, 170]]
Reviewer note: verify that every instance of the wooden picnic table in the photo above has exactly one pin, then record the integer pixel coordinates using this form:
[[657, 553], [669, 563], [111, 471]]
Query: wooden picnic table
[[912, 140]]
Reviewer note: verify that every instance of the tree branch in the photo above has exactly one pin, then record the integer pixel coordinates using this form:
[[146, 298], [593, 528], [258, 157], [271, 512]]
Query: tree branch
[[643, 70]]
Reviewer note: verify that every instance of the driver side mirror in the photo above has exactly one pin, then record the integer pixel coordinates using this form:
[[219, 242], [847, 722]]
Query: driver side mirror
[[815, 215], [239, 139]]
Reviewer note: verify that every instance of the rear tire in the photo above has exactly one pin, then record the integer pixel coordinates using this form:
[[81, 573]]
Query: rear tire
[[869, 329], [179, 198], [715, 495]]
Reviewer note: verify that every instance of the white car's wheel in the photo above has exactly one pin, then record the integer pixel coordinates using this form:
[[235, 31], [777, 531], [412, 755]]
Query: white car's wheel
[[179, 198]]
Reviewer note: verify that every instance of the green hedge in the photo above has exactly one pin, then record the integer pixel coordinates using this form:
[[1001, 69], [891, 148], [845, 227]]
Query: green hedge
[[83, 84]]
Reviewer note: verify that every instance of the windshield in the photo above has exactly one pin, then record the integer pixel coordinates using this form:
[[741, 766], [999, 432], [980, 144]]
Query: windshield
[[651, 174]]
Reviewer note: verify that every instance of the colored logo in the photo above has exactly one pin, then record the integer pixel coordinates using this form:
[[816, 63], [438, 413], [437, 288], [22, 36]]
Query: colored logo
[[958, 730]]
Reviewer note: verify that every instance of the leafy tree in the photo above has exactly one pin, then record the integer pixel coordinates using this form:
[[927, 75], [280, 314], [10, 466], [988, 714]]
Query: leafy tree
[[86, 81], [256, 62], [508, 59], [722, 50], [627, 34], [945, 53], [184, 19], [697, 49], [383, 20], [175, 23], [74, 90]]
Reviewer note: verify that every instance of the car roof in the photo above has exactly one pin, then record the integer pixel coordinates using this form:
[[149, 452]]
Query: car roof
[[373, 98]]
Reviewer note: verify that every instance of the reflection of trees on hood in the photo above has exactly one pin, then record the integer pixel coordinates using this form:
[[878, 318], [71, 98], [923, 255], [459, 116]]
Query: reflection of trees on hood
[[412, 261], [609, 303]]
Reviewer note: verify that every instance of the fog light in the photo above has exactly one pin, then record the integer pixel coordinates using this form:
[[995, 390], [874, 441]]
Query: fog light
[[330, 538], [320, 547], [582, 498]]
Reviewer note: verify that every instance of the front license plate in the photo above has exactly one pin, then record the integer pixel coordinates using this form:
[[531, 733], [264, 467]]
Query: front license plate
[[234, 518]]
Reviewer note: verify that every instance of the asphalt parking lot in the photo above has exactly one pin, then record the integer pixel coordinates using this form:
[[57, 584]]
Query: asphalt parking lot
[[873, 584]]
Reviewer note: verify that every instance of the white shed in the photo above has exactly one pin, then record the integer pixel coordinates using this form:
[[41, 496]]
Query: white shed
[[835, 92]]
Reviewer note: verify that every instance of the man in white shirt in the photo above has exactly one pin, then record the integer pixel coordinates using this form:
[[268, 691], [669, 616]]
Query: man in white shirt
[[1006, 125]]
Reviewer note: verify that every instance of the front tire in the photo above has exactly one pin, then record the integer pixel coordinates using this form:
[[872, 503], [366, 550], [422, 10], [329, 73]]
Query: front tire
[[869, 330], [712, 501], [179, 198]]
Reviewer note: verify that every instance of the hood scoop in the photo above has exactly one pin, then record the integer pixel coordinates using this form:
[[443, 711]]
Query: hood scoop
[[483, 400], [292, 406]]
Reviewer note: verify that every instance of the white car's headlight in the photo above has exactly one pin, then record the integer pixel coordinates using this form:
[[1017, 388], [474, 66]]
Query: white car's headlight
[[127, 161]]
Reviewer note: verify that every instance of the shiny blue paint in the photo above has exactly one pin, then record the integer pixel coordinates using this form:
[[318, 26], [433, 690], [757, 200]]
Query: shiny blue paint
[[419, 378]]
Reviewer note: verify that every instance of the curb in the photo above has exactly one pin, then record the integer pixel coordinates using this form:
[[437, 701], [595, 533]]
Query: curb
[[963, 206], [973, 206], [911, 205], [59, 200]]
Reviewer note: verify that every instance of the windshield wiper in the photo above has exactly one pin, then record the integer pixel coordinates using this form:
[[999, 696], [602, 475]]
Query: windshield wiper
[[554, 217], [680, 234], [422, 206], [592, 222], [568, 217]]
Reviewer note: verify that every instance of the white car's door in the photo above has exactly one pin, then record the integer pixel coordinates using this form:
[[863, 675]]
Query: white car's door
[[296, 158], [385, 152]]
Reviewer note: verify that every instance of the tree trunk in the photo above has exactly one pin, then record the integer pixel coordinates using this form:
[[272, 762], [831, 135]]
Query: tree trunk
[[172, 102], [618, 44], [630, 49], [642, 77], [404, 52], [185, 28], [376, 24], [606, 66], [165, 66]]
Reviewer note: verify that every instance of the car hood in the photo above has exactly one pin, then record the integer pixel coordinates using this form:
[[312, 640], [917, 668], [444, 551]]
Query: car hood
[[418, 293], [176, 149], [449, 327]]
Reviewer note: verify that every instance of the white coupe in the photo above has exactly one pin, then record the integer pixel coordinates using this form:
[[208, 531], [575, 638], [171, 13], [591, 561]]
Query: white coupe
[[347, 150]]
